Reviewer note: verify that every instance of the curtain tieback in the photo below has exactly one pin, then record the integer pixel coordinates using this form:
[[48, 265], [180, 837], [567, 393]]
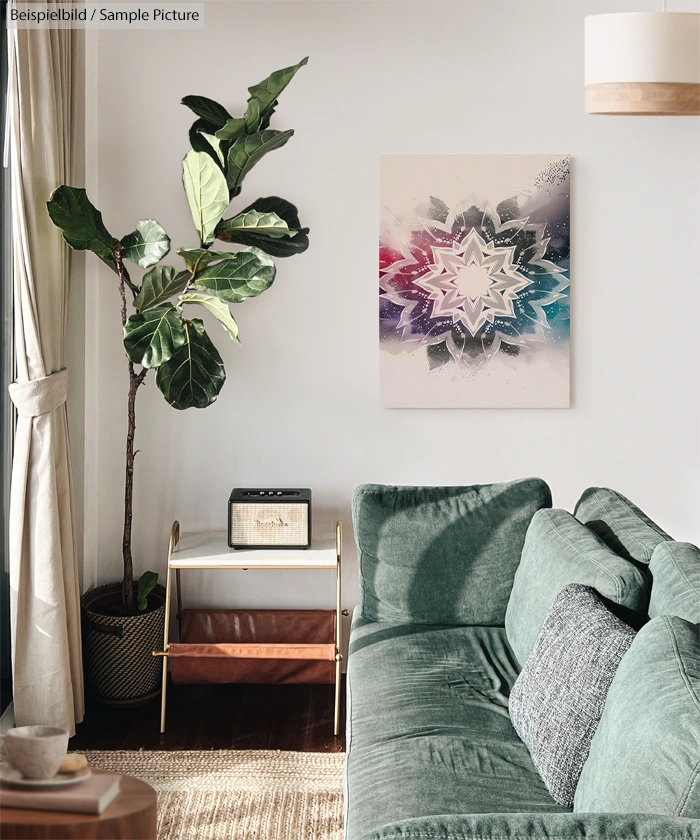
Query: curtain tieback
[[40, 396]]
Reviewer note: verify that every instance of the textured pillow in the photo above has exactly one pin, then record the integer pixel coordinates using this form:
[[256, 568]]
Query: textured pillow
[[559, 550], [621, 525], [675, 587], [442, 555], [557, 700], [645, 756]]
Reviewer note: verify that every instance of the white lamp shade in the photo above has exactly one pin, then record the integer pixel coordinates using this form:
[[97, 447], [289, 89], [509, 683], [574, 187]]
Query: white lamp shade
[[649, 63]]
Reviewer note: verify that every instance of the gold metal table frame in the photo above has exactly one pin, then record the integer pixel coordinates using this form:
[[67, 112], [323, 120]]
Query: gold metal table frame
[[245, 563]]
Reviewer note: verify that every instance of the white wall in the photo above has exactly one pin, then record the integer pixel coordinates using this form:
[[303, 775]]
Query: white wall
[[301, 404]]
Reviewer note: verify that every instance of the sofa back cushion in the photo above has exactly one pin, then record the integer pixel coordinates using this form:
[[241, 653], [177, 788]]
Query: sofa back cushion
[[442, 555], [621, 525], [644, 755], [570, 668], [558, 551], [675, 587]]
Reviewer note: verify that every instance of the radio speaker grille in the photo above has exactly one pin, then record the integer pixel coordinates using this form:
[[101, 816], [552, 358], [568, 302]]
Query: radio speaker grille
[[257, 524]]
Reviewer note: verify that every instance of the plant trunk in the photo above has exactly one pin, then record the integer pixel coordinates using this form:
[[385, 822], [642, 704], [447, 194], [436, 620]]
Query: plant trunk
[[128, 581], [135, 379]]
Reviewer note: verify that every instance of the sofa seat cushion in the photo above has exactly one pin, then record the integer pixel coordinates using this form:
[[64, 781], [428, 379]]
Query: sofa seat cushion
[[558, 551], [442, 555], [621, 525], [428, 726], [675, 588]]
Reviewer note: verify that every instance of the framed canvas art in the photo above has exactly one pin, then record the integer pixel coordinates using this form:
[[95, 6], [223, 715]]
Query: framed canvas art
[[474, 281]]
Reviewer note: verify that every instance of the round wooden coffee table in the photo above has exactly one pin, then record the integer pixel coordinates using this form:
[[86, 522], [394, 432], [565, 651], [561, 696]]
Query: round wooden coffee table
[[132, 816]]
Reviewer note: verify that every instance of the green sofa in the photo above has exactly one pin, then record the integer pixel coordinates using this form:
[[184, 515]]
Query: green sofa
[[455, 582]]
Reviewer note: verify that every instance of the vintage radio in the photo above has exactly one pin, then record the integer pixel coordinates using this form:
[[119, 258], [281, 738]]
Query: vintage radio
[[269, 518]]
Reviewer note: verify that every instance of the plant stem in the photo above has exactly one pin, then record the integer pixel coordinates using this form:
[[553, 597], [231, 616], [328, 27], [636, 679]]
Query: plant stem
[[193, 275], [128, 582], [189, 284], [135, 380], [122, 290]]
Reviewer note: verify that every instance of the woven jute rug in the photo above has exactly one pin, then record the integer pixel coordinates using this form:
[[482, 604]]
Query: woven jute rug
[[238, 795]]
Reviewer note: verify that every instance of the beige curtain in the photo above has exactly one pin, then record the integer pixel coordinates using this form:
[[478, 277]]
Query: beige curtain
[[45, 599]]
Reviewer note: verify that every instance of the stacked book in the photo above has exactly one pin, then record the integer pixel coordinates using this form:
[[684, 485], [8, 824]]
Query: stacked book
[[90, 796]]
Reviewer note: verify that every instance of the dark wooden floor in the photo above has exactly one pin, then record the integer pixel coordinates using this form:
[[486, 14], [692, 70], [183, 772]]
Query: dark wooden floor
[[217, 717]]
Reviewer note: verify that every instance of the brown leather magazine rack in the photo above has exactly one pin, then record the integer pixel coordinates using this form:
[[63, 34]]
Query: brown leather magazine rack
[[252, 646]]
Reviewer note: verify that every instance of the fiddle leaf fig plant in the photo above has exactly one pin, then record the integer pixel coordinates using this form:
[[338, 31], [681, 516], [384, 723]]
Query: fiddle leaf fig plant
[[160, 334]]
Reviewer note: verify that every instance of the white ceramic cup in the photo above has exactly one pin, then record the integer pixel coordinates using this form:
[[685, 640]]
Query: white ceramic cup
[[36, 751]]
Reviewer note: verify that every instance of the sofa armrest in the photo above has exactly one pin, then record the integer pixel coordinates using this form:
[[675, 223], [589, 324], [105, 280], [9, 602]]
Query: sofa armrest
[[543, 826]]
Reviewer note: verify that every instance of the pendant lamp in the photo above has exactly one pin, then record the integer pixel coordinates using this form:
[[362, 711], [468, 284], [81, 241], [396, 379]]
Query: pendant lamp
[[643, 64]]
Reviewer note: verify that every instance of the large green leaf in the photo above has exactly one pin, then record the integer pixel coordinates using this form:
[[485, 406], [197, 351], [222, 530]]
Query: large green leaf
[[252, 117], [207, 109], [252, 221], [225, 137], [195, 374], [218, 308], [81, 223], [280, 247], [197, 259], [159, 284], [247, 151], [147, 245], [151, 337], [232, 130], [245, 274], [215, 144], [206, 191], [269, 89], [283, 208], [198, 143]]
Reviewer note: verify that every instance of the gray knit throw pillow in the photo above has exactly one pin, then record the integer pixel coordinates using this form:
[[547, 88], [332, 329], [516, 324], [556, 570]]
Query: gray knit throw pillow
[[556, 702]]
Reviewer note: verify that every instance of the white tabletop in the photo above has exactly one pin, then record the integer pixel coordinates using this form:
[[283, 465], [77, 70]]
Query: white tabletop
[[209, 550]]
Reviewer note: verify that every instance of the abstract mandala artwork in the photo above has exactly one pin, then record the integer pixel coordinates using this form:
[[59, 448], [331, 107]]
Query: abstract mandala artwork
[[474, 281]]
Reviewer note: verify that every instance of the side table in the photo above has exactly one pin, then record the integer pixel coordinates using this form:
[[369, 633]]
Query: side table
[[132, 816], [209, 550]]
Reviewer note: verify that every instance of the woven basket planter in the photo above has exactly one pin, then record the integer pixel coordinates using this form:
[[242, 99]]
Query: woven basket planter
[[121, 669]]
